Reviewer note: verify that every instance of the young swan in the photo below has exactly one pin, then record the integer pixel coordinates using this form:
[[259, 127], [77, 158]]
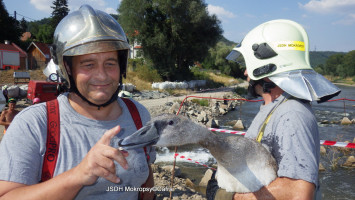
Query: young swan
[[244, 165]]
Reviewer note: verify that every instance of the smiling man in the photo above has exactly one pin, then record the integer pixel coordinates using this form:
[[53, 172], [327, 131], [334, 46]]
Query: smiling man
[[98, 82], [91, 51]]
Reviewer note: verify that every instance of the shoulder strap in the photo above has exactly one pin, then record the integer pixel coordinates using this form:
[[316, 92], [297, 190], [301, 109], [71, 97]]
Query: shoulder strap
[[134, 112], [53, 138], [138, 122], [136, 118], [262, 129]]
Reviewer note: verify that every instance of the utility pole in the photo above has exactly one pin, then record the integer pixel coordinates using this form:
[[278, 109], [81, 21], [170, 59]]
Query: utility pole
[[15, 15]]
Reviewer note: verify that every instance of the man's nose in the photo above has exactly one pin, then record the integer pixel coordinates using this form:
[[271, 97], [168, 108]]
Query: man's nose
[[101, 72]]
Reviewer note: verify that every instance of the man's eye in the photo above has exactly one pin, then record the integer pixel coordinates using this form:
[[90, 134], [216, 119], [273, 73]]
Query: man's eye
[[88, 65], [111, 64]]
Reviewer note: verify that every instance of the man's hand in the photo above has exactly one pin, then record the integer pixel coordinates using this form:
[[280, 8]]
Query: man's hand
[[99, 162]]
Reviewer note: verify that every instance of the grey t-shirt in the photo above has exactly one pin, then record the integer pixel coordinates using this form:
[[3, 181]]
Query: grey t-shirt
[[23, 147], [291, 136]]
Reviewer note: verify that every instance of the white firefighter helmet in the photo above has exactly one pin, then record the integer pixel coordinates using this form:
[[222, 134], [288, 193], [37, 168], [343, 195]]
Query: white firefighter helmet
[[279, 50], [88, 31]]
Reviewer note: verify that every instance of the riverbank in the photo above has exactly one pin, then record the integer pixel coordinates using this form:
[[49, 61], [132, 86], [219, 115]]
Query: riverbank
[[345, 84], [161, 102]]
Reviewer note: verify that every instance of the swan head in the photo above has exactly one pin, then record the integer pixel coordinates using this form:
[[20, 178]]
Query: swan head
[[164, 130]]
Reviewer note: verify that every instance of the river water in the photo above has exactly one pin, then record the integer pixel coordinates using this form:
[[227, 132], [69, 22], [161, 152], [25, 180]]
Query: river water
[[336, 182]]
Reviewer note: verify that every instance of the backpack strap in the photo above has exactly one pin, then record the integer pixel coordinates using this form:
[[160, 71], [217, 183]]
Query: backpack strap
[[53, 139], [138, 122], [136, 118]]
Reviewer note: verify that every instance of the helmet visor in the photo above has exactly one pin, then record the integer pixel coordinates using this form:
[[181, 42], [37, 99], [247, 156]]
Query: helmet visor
[[234, 54]]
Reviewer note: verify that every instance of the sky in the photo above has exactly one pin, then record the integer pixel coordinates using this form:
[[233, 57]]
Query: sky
[[330, 24]]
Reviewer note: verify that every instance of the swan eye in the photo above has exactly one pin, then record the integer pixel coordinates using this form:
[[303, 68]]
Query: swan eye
[[171, 122]]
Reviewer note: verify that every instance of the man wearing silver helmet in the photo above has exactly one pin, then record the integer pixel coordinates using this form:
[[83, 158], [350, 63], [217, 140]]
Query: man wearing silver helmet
[[278, 70], [91, 51]]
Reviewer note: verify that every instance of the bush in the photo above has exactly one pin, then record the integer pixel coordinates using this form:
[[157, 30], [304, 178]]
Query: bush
[[201, 102], [143, 71], [240, 90], [199, 74], [148, 74]]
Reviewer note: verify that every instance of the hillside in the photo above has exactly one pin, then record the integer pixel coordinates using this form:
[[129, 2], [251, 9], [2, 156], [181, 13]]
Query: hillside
[[320, 57], [227, 42]]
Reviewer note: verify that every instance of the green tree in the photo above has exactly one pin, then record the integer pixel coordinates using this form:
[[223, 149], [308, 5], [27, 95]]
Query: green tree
[[173, 33], [23, 25], [319, 69], [216, 59], [349, 63], [45, 34], [34, 26], [10, 27], [60, 10], [333, 62]]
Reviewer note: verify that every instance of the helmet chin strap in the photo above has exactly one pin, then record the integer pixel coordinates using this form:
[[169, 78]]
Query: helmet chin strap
[[112, 99], [267, 86]]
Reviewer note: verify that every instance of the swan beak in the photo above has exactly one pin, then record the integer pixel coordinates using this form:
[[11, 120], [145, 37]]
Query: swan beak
[[147, 135]]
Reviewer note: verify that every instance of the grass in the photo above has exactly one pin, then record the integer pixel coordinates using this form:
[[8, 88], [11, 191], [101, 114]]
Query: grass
[[143, 76], [140, 84], [214, 80], [6, 76], [223, 79], [201, 102], [337, 79]]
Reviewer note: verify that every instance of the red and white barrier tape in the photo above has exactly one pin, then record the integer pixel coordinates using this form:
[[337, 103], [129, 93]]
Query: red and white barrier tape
[[189, 159], [338, 144], [322, 142], [227, 131]]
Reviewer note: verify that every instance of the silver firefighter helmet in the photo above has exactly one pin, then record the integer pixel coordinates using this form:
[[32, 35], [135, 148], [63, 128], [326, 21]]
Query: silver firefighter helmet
[[87, 31]]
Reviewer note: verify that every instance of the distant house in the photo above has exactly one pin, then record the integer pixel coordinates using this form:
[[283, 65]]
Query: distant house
[[23, 57], [38, 55], [9, 56], [136, 50]]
